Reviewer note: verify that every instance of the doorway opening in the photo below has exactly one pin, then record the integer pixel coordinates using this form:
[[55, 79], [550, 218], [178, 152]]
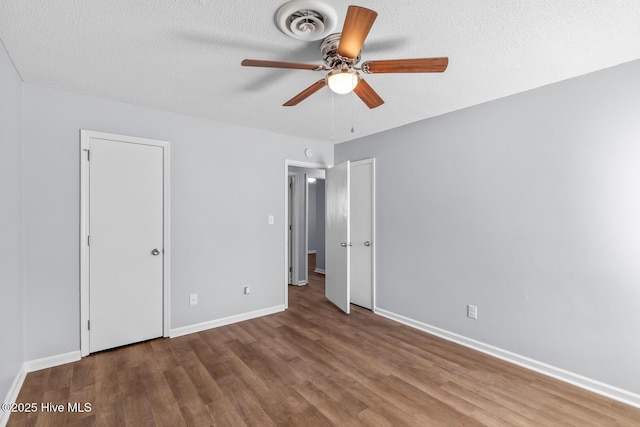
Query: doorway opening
[[304, 234], [350, 277], [305, 223]]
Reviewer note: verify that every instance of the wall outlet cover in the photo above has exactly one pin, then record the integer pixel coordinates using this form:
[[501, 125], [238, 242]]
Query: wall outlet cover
[[472, 311]]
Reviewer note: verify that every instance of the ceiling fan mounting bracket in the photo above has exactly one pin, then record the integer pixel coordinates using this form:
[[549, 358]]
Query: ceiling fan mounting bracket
[[306, 19]]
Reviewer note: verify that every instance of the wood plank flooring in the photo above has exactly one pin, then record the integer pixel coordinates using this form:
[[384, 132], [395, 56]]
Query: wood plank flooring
[[309, 366]]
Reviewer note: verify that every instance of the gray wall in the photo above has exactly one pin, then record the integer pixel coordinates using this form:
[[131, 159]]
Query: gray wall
[[527, 207], [11, 284], [220, 237]]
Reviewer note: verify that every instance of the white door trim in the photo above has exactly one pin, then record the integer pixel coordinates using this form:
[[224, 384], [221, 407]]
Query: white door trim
[[294, 212], [287, 163], [85, 136]]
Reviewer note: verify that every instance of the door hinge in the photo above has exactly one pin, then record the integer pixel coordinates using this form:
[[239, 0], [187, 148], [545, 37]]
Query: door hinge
[[89, 325], [88, 155], [88, 240], [290, 269]]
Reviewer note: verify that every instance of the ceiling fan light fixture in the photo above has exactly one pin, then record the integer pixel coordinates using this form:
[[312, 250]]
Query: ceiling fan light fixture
[[343, 81]]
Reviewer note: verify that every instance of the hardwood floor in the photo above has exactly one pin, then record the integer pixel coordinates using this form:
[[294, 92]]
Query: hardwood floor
[[312, 366]]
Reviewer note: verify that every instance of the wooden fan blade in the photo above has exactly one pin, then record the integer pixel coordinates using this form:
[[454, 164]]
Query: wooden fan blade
[[367, 94], [357, 24], [419, 65], [306, 93], [280, 64]]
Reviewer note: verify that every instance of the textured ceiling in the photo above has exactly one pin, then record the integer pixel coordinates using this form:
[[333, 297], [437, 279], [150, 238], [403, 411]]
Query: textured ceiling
[[184, 55]]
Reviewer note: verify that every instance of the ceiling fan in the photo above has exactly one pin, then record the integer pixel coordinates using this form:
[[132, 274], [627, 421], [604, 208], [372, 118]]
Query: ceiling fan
[[341, 54]]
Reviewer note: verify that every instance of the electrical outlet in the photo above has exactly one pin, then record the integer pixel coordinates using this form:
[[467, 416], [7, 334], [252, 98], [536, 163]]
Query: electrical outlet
[[193, 299], [271, 220], [472, 311], [247, 291]]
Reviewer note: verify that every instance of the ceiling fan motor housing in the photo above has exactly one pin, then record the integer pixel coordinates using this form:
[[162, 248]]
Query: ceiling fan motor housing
[[306, 19], [330, 56]]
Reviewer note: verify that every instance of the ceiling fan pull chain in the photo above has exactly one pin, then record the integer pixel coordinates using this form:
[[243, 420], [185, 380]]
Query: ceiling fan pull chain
[[332, 117], [352, 128]]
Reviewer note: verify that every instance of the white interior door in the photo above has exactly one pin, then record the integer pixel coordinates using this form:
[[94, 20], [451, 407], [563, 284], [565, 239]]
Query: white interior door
[[125, 243], [362, 233], [338, 244]]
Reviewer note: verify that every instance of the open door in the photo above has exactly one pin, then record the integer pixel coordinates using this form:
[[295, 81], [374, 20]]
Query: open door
[[338, 243], [362, 232]]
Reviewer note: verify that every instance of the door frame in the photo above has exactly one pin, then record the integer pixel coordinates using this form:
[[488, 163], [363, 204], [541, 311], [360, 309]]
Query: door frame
[[302, 164], [85, 137], [294, 213]]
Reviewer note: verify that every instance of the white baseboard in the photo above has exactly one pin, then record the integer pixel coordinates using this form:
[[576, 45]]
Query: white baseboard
[[319, 270], [12, 395], [32, 366], [51, 361], [185, 330], [589, 384], [301, 282], [311, 251]]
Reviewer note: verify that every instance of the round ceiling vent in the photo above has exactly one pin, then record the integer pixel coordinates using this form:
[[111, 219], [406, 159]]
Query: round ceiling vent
[[306, 19]]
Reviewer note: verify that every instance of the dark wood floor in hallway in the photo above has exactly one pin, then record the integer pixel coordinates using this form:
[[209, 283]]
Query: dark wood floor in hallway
[[309, 366]]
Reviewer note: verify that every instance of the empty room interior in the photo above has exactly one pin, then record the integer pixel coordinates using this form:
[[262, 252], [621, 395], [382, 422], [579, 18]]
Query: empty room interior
[[312, 212]]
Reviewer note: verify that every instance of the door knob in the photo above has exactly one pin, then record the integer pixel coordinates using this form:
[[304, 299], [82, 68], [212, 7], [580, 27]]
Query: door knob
[[155, 252], [345, 244], [367, 243]]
